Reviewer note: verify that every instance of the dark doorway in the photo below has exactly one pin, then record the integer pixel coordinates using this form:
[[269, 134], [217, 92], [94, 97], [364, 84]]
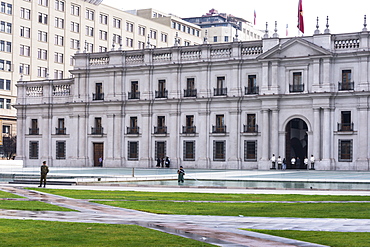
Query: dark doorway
[[160, 149], [98, 154], [296, 141]]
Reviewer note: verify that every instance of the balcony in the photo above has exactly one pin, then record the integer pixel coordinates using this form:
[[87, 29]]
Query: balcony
[[252, 90], [133, 95], [220, 91], [160, 129], [188, 129], [133, 130], [296, 88], [250, 128], [190, 93], [345, 126], [98, 96], [60, 131], [219, 129], [97, 131], [161, 94], [34, 131], [346, 86]]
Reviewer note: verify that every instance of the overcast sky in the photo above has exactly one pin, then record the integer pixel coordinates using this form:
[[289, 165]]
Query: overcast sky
[[343, 16]]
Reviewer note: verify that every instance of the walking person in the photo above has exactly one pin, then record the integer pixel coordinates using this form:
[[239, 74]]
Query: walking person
[[44, 172], [168, 162], [180, 173]]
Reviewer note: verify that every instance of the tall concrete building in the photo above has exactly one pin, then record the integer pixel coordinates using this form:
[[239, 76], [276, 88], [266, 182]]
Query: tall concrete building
[[214, 106], [222, 28], [38, 39]]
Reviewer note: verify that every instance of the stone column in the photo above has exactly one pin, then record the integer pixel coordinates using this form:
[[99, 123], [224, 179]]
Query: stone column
[[316, 135], [276, 146], [264, 163], [233, 129], [327, 141], [362, 143]]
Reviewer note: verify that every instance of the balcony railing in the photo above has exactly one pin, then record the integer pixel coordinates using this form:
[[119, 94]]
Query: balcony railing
[[134, 95], [190, 93], [96, 131], [132, 130], [345, 126], [219, 129], [189, 129], [60, 131], [34, 131], [98, 96], [296, 88], [220, 91], [250, 128], [252, 90], [161, 94], [346, 86], [160, 129]]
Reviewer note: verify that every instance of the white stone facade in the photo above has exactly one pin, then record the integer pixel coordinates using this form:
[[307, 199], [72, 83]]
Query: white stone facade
[[220, 106]]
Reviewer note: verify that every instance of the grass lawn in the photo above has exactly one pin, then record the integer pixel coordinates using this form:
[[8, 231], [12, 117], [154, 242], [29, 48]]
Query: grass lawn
[[4, 194], [334, 239], [31, 205], [25, 233], [137, 195]]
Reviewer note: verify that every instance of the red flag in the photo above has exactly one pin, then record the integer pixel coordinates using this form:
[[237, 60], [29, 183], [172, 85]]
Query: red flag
[[300, 17], [255, 15]]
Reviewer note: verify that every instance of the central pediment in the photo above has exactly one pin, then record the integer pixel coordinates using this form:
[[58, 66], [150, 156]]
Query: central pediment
[[295, 48]]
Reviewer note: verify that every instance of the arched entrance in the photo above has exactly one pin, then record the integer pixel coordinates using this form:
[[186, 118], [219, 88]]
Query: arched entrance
[[296, 142]]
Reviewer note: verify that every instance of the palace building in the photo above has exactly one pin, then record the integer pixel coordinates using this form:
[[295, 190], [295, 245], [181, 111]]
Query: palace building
[[210, 106]]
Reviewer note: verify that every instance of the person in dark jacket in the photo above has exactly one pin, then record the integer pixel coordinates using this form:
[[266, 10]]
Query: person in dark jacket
[[44, 172], [181, 173]]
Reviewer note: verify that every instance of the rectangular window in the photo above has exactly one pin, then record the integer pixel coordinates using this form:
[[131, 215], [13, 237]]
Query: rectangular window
[[98, 129], [25, 50], [61, 129], [160, 149], [219, 151], [251, 126], [214, 38], [153, 34], [59, 5], [61, 150], [103, 18], [161, 127], [75, 27], [42, 54], [75, 10], [59, 40], [58, 57], [25, 32], [25, 13], [103, 35], [24, 69], [117, 38], [141, 45], [129, 42], [43, 18], [297, 85], [34, 150], [8, 104], [75, 44], [58, 74], [347, 83], [133, 150], [43, 2], [134, 93], [226, 39], [89, 14], [164, 37], [141, 30], [5, 65], [42, 36], [189, 150], [1, 103], [116, 23], [59, 22], [129, 27], [102, 49], [345, 149], [250, 150], [252, 85], [42, 72], [5, 46], [346, 123], [89, 31]]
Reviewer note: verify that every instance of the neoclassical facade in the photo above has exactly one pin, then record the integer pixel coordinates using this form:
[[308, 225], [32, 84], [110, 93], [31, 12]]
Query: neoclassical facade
[[219, 106]]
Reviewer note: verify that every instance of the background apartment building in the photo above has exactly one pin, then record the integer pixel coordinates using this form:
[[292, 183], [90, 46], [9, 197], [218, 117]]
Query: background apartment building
[[38, 39]]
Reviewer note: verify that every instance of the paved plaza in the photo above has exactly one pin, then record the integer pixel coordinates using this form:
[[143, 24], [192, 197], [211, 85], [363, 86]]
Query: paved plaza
[[218, 230]]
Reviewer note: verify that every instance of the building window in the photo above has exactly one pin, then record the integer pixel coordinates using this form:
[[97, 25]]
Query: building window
[[250, 150], [58, 57], [346, 83], [89, 31], [133, 150], [97, 129], [25, 32], [58, 74], [214, 38], [75, 27], [219, 151], [226, 39], [75, 44], [98, 95], [189, 150], [134, 93], [6, 8], [89, 14], [116, 23], [161, 127], [162, 92], [61, 129], [160, 149], [25, 51], [345, 149], [133, 129], [34, 130], [75, 10], [42, 54], [153, 34], [43, 2], [24, 69], [5, 27], [8, 104], [297, 85], [251, 126], [61, 150], [117, 38], [43, 18], [220, 86], [5, 46], [103, 35], [252, 87], [59, 5], [59, 40], [5, 84], [59, 22], [103, 18], [34, 150], [346, 123], [141, 31], [25, 13], [189, 127], [101, 49], [141, 45], [42, 72], [164, 37], [129, 27], [220, 126], [190, 90], [42, 36], [5, 65]]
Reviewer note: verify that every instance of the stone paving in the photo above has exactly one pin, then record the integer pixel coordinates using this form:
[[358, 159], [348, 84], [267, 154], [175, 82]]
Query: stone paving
[[218, 230]]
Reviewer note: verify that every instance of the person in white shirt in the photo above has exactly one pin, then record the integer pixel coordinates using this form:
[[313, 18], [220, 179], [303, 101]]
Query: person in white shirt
[[280, 162], [273, 161], [312, 160], [305, 161], [292, 161]]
